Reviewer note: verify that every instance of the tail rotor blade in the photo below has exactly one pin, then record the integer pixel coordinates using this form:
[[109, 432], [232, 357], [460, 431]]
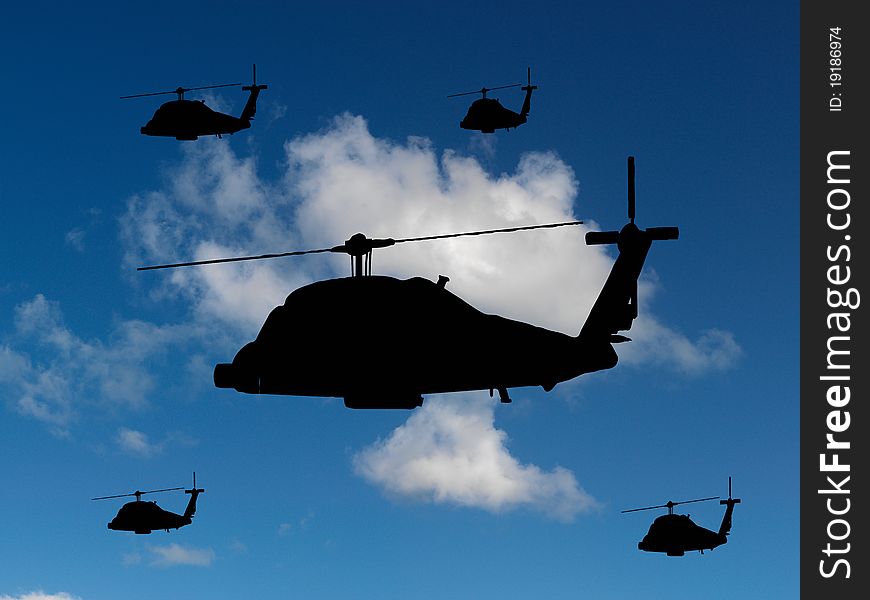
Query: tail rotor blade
[[602, 237], [663, 233]]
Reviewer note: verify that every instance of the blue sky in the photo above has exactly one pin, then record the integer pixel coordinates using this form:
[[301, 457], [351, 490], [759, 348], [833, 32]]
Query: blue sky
[[105, 373]]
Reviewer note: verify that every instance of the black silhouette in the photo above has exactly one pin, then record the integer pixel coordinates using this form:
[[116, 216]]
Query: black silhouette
[[677, 534], [380, 342], [487, 114], [189, 119], [145, 517]]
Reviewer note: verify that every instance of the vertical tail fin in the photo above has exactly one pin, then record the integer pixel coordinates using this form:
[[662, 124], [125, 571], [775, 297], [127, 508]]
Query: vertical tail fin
[[725, 527], [251, 105], [527, 103], [191, 504]]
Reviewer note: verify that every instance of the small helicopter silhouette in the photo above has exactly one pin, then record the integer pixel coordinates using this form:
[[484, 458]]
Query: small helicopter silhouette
[[145, 517], [401, 339], [487, 114], [677, 534], [189, 119]]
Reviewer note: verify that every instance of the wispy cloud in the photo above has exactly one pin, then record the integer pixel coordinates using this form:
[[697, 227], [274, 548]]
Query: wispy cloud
[[173, 555], [75, 238], [178, 555], [656, 344], [301, 524], [450, 451], [51, 373], [139, 443], [135, 442], [40, 595]]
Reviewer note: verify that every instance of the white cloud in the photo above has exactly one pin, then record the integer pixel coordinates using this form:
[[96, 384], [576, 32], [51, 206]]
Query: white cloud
[[655, 344], [176, 554], [342, 180], [59, 373], [40, 595], [215, 207], [449, 451], [135, 442], [276, 112], [139, 443], [285, 529], [76, 239]]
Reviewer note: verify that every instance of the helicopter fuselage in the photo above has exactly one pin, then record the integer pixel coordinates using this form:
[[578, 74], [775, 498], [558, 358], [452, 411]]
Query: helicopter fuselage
[[677, 534], [189, 119], [144, 517], [487, 114], [381, 342]]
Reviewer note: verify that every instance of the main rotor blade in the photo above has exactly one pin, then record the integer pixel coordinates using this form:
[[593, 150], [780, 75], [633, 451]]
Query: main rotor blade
[[115, 496], [485, 89], [346, 247], [698, 500], [488, 231], [163, 490], [208, 87], [181, 89], [137, 493], [671, 504], [214, 261], [149, 94]]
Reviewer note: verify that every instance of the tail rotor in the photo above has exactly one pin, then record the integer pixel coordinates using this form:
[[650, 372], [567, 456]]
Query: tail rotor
[[616, 307], [614, 237]]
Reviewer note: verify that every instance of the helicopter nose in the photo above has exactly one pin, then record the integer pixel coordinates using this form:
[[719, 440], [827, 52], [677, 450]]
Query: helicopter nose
[[228, 375], [223, 375]]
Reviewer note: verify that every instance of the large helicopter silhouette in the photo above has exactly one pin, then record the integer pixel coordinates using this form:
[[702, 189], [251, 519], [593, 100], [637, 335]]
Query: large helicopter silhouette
[[381, 342], [189, 119], [487, 114], [677, 534], [144, 517]]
